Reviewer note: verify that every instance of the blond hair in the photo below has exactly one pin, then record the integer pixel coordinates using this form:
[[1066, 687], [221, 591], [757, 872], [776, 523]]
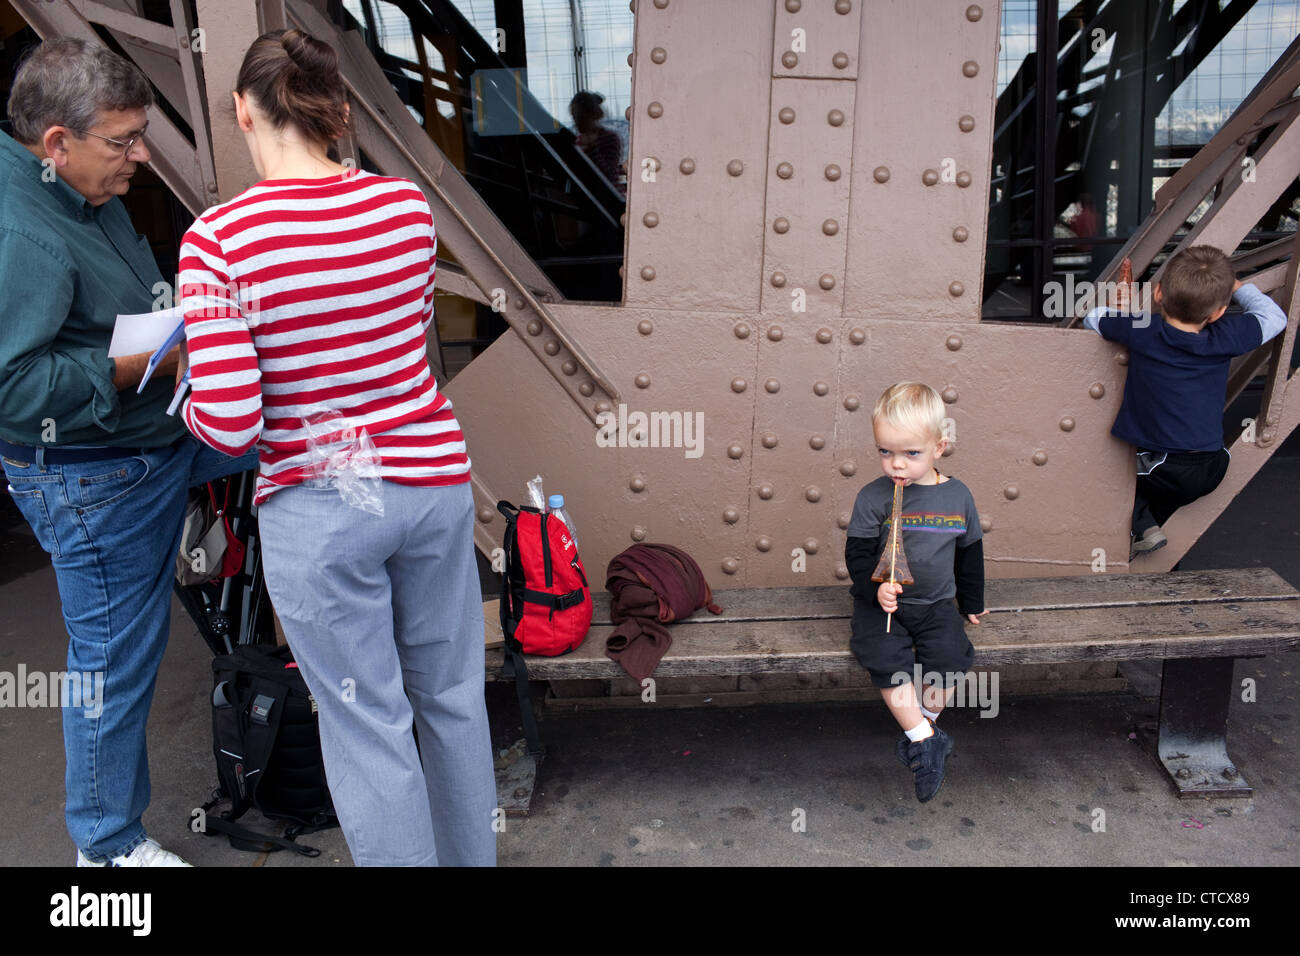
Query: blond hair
[[913, 407]]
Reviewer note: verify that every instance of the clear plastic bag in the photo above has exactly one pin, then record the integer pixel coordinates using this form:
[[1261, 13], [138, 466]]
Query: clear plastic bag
[[340, 456], [536, 498]]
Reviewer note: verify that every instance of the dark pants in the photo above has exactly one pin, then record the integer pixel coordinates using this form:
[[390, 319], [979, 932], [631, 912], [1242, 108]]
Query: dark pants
[[932, 635], [1167, 481]]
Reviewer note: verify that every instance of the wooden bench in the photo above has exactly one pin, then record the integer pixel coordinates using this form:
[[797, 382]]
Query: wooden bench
[[1196, 622]]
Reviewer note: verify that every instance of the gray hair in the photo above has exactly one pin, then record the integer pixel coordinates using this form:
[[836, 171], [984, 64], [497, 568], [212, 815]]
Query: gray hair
[[68, 82]]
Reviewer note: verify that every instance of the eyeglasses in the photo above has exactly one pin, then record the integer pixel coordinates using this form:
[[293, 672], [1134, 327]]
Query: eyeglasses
[[126, 147]]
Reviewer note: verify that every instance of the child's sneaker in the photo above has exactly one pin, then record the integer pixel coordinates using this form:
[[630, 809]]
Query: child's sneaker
[[900, 750], [1152, 539], [926, 758]]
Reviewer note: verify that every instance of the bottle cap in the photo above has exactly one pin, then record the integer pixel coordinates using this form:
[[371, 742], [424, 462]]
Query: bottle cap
[[555, 501]]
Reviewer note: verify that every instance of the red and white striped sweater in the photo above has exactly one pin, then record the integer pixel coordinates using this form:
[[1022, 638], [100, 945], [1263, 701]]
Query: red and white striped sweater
[[301, 293]]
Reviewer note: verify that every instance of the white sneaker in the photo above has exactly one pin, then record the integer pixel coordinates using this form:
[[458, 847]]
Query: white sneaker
[[148, 853]]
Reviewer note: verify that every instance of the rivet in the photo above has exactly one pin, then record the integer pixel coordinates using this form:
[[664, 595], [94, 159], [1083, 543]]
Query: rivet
[[638, 533], [627, 114], [789, 60], [960, 234], [778, 279], [949, 395], [852, 402], [637, 483], [1121, 358], [738, 385], [485, 514], [832, 172], [772, 386], [650, 219], [604, 406], [552, 347], [824, 336], [786, 115], [955, 289], [784, 170], [735, 167], [655, 110], [812, 545], [963, 179], [642, 380], [827, 281], [970, 68], [813, 493], [1097, 390], [1040, 457], [848, 469], [645, 326], [622, 219], [569, 367], [587, 388], [953, 343], [986, 524], [830, 227], [775, 334], [841, 572], [781, 225], [930, 177], [843, 6], [769, 440], [535, 327], [765, 491], [1011, 492], [973, 13], [842, 522], [621, 272], [966, 123], [821, 389], [792, 6], [731, 515], [519, 303], [730, 565], [764, 544], [817, 442], [835, 117], [857, 336], [741, 330], [840, 61], [1067, 424], [648, 273], [948, 449], [661, 4], [687, 166], [880, 174], [735, 451], [658, 54]]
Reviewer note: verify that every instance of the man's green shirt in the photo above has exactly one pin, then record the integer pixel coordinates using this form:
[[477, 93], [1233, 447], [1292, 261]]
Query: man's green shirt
[[67, 269]]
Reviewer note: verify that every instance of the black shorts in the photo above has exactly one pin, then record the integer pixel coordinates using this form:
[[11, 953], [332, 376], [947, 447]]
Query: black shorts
[[932, 635]]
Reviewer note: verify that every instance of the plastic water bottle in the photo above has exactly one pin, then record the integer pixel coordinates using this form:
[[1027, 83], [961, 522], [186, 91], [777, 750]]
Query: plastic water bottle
[[555, 506]]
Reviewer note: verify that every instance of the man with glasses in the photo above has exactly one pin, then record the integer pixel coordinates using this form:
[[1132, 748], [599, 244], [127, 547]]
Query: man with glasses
[[99, 472]]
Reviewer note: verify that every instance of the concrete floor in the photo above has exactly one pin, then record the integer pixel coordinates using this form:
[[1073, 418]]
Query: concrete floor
[[726, 786]]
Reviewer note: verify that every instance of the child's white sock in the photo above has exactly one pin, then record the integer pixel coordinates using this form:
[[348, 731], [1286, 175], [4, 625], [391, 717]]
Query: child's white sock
[[920, 732], [930, 714]]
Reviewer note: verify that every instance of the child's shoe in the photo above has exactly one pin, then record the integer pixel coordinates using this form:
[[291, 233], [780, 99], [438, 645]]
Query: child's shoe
[[926, 759], [900, 750], [1152, 539]]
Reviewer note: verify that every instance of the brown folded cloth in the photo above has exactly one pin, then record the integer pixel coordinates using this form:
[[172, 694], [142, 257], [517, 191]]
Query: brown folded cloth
[[651, 585]]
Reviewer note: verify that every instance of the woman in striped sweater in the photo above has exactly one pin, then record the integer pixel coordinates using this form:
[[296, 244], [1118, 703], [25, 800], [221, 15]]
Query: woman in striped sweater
[[311, 292]]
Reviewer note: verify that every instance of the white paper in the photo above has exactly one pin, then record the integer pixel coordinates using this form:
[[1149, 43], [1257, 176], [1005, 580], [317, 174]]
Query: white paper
[[133, 334]]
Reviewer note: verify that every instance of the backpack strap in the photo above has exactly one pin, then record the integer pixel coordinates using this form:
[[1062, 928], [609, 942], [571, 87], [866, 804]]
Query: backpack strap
[[511, 613]]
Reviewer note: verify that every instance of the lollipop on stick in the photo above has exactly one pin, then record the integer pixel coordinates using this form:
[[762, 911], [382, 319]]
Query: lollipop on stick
[[1124, 290], [893, 562]]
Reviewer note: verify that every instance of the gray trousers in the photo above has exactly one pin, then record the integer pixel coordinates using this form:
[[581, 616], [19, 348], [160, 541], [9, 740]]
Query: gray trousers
[[385, 619]]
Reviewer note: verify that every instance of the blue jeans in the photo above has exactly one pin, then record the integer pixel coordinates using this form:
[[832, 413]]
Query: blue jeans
[[112, 529]]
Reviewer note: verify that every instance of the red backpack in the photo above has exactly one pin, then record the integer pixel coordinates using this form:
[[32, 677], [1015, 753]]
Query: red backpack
[[545, 603]]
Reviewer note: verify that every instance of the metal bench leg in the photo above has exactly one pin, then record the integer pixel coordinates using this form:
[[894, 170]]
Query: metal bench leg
[[1191, 744]]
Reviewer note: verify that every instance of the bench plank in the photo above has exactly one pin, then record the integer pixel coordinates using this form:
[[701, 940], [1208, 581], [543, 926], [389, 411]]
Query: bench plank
[[1004, 594], [1005, 637]]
